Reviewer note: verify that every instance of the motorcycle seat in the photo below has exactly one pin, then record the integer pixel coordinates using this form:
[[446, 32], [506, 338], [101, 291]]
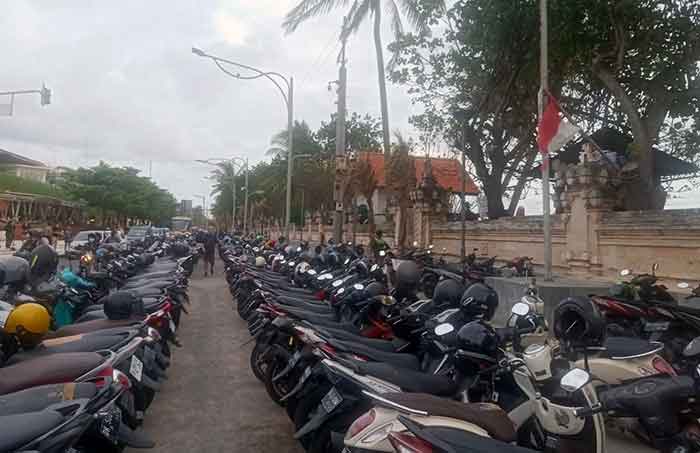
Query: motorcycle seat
[[48, 369], [38, 398], [487, 416], [315, 307], [344, 335], [76, 343], [307, 315], [621, 348], [462, 441], [92, 326], [20, 429], [407, 361], [659, 397], [347, 327], [410, 381]]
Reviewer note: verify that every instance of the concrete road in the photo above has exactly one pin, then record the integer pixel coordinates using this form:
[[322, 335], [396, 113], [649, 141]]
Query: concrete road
[[212, 402]]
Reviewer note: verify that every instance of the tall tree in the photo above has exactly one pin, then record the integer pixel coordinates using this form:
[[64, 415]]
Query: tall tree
[[362, 133], [360, 10]]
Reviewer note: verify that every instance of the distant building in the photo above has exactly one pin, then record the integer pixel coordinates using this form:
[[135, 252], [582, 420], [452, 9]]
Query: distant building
[[185, 208], [23, 167]]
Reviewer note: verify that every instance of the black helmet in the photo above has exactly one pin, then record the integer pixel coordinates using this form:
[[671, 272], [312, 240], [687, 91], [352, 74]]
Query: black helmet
[[333, 259], [122, 305], [578, 322], [479, 301], [375, 289], [447, 292], [407, 275], [43, 262], [479, 337], [361, 268], [180, 250]]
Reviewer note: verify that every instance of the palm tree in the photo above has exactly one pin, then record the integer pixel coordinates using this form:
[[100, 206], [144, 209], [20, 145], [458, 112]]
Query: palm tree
[[358, 12]]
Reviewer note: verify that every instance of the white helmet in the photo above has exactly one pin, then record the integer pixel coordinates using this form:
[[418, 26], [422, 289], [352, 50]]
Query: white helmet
[[259, 261]]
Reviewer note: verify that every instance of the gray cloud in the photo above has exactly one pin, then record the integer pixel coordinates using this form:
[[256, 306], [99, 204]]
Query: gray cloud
[[126, 88]]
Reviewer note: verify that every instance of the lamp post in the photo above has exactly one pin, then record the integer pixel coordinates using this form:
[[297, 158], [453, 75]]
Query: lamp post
[[288, 98]]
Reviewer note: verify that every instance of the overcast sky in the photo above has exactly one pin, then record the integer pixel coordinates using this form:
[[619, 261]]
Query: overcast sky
[[128, 90]]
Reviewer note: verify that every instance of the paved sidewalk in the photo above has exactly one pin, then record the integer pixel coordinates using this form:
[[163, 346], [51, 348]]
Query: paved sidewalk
[[211, 401]]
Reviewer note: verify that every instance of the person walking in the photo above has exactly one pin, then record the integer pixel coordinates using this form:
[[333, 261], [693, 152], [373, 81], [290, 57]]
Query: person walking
[[209, 252], [9, 233]]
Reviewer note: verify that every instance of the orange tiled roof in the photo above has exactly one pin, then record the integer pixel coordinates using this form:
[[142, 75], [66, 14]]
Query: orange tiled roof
[[445, 171]]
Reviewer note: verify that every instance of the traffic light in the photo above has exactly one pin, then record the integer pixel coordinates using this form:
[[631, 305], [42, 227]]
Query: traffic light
[[45, 96]]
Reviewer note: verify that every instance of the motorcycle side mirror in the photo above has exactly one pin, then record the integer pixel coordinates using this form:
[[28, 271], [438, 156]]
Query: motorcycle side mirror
[[520, 309], [382, 253], [625, 272], [574, 380], [373, 268], [358, 286], [683, 285], [692, 349], [443, 329]]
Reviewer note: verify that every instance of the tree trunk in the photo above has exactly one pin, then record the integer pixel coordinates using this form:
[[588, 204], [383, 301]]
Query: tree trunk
[[382, 78], [370, 214], [494, 196], [641, 197], [520, 186]]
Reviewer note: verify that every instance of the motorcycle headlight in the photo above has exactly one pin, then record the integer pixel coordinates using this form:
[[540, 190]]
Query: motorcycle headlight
[[311, 272]]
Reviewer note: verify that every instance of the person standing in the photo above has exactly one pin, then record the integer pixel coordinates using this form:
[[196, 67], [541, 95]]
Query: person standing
[[9, 233], [378, 244], [67, 238], [209, 252]]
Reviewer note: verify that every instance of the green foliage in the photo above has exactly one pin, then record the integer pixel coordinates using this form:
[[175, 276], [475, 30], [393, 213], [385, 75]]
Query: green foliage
[[362, 133], [119, 193], [627, 64], [13, 183], [313, 175]]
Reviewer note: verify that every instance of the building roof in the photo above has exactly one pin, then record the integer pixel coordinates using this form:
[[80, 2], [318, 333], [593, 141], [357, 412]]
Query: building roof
[[8, 158], [445, 171], [665, 165]]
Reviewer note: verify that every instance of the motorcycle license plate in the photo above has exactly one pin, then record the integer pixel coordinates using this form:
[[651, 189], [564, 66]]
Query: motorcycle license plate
[[331, 400], [656, 326], [136, 368], [109, 423]]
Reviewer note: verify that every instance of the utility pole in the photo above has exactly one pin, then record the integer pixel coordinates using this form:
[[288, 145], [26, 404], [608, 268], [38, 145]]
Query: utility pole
[[290, 154], [233, 184], [463, 207], [544, 83], [245, 205], [340, 141]]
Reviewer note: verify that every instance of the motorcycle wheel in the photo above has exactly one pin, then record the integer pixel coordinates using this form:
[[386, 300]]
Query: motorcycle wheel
[[305, 408], [278, 359], [258, 360], [321, 441]]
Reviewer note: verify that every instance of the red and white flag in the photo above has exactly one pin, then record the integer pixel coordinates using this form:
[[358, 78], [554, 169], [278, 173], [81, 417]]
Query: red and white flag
[[553, 132]]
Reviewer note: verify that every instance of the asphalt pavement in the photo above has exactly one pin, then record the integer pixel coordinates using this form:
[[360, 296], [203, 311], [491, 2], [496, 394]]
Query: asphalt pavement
[[212, 402]]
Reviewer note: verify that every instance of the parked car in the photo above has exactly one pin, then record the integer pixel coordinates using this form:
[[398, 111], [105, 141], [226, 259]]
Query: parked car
[[139, 233], [81, 241]]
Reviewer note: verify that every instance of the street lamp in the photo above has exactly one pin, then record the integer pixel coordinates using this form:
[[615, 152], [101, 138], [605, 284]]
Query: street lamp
[[288, 98], [243, 165]]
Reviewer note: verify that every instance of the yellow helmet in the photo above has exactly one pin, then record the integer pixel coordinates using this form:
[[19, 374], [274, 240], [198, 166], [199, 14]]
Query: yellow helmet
[[86, 259], [29, 322]]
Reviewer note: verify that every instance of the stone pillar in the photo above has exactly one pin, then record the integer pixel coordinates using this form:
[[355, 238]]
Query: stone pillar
[[589, 192]]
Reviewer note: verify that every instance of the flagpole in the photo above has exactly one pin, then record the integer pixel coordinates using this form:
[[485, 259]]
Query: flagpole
[[544, 87]]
